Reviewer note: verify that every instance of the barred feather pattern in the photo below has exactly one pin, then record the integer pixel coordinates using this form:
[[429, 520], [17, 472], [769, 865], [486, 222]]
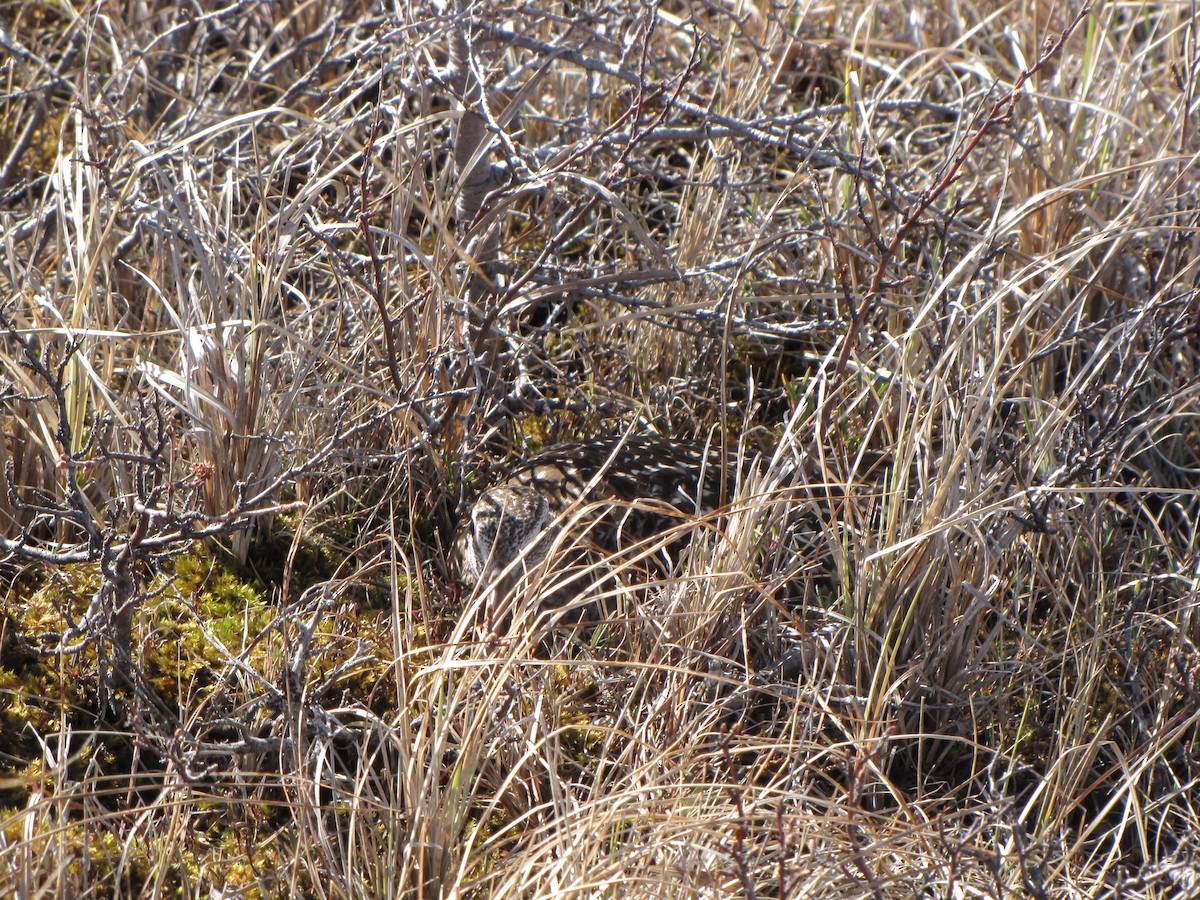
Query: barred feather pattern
[[655, 482]]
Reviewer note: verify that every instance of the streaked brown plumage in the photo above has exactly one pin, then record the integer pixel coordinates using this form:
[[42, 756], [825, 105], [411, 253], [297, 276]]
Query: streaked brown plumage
[[652, 481]]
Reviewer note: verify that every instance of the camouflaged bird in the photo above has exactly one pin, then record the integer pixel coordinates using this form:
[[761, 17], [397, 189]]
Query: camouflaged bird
[[641, 486]]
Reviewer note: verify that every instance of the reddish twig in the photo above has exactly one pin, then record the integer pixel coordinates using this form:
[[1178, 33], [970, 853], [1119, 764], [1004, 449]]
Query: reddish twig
[[1000, 113]]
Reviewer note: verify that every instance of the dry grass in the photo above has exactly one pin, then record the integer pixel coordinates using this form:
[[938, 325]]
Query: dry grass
[[930, 274]]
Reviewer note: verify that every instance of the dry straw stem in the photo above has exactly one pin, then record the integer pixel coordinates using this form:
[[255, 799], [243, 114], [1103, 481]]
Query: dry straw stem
[[1000, 114], [303, 280]]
